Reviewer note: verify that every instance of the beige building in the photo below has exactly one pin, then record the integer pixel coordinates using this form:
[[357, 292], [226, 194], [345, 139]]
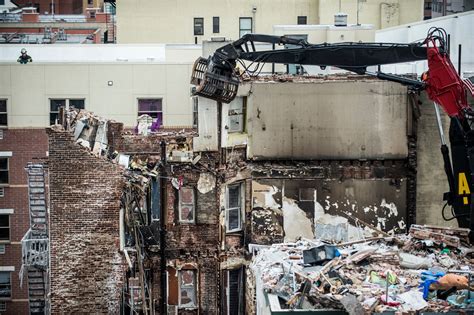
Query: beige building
[[184, 21]]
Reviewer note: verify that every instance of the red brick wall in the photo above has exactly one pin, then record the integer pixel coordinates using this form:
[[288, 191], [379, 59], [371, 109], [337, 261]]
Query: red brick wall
[[86, 266], [25, 145]]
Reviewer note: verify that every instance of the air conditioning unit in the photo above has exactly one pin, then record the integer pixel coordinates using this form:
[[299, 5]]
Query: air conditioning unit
[[340, 19]]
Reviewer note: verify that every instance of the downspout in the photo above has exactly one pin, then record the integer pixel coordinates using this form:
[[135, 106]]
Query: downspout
[[163, 302]]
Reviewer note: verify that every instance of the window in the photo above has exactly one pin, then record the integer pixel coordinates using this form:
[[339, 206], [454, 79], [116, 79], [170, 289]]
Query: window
[[3, 113], [236, 115], [5, 284], [186, 205], [2, 249], [4, 227], [3, 306], [195, 111], [307, 194], [198, 26], [4, 171], [2, 2], [233, 208], [187, 288], [56, 103], [215, 24], [302, 20], [2, 192], [245, 26], [235, 292], [152, 107]]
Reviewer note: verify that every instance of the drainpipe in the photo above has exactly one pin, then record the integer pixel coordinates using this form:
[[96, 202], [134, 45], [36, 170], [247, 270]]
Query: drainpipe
[[163, 302]]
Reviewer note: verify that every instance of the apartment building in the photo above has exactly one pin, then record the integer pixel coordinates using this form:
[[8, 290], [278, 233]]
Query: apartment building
[[193, 22], [447, 7]]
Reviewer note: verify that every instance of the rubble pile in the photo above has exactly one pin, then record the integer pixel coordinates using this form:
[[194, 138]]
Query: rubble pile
[[421, 271]]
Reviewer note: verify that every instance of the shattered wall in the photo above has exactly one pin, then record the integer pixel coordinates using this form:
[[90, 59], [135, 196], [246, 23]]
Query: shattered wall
[[86, 266]]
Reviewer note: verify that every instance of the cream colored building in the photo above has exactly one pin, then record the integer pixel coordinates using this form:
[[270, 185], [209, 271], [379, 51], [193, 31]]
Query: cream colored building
[[107, 87], [186, 21]]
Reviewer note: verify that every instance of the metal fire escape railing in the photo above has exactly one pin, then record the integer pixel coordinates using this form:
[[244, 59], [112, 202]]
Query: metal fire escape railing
[[35, 243]]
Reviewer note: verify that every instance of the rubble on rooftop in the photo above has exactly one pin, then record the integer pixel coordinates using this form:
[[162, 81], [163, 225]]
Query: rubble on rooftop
[[402, 273]]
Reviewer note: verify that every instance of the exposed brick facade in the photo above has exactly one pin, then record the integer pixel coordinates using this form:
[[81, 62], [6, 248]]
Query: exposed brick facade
[[26, 145], [86, 266]]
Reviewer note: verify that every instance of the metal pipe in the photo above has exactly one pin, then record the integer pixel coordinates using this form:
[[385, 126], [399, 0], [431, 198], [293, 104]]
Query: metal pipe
[[459, 59], [163, 301], [440, 126]]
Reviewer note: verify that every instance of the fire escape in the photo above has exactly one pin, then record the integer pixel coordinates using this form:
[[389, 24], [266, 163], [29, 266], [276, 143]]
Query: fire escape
[[35, 243], [110, 22]]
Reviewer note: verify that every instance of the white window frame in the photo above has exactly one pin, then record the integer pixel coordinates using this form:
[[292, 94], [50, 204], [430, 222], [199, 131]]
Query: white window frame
[[7, 170], [3, 306], [236, 114], [193, 205], [9, 227], [9, 272], [5, 112], [139, 113], [67, 104], [238, 209], [194, 287]]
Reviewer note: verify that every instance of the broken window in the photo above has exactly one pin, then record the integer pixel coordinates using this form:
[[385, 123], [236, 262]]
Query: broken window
[[4, 227], [152, 107], [186, 205], [307, 194], [302, 20], [3, 113], [55, 104], [198, 26], [4, 178], [187, 288], [236, 115], [233, 208], [5, 284], [235, 292], [245, 26], [215, 24], [195, 111]]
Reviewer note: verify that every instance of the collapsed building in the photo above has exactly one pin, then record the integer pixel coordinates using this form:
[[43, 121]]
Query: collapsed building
[[164, 220]]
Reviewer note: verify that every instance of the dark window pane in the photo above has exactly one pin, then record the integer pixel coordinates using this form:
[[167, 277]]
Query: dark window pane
[[3, 177], [215, 24], [234, 218], [302, 20], [79, 104], [235, 292], [5, 284], [3, 119], [52, 118], [198, 26], [234, 196], [3, 106], [4, 220], [55, 104], [3, 164], [4, 234], [149, 105]]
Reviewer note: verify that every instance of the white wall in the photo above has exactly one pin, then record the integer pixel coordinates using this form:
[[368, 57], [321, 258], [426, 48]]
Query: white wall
[[8, 5]]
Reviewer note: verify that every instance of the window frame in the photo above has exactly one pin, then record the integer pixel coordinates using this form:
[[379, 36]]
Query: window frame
[[67, 104], [193, 287], [248, 31], [304, 17], [8, 227], [7, 170], [195, 102], [153, 98], [228, 209], [216, 25], [193, 204], [241, 289], [242, 116], [7, 286], [5, 112], [196, 19]]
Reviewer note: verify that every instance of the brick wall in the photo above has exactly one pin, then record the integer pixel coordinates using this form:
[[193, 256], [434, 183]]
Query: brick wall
[[86, 266], [26, 145]]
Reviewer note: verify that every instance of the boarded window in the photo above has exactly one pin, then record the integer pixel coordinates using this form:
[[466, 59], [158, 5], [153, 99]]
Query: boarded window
[[186, 205], [3, 113], [187, 288], [302, 20], [198, 26], [245, 26], [4, 178], [236, 115], [233, 208], [172, 286], [4, 227], [5, 284], [215, 24], [235, 292], [152, 107]]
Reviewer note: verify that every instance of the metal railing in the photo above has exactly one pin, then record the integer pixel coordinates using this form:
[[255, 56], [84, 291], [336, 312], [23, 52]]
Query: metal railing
[[34, 251]]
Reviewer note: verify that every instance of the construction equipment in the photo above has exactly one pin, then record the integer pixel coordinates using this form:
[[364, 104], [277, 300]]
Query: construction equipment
[[218, 78]]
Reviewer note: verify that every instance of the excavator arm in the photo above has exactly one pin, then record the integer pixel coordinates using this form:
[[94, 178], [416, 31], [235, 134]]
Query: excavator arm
[[219, 76]]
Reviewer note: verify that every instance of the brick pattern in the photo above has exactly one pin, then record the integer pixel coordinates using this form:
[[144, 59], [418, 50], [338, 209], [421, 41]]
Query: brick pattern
[[86, 266]]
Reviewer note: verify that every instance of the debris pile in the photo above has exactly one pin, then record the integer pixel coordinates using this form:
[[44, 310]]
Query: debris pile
[[428, 270]]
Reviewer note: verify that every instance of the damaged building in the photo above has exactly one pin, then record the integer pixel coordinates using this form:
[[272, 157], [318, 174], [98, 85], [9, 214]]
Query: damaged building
[[138, 215]]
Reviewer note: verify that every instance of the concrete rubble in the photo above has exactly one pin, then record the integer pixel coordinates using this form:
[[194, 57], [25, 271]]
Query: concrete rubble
[[401, 273]]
